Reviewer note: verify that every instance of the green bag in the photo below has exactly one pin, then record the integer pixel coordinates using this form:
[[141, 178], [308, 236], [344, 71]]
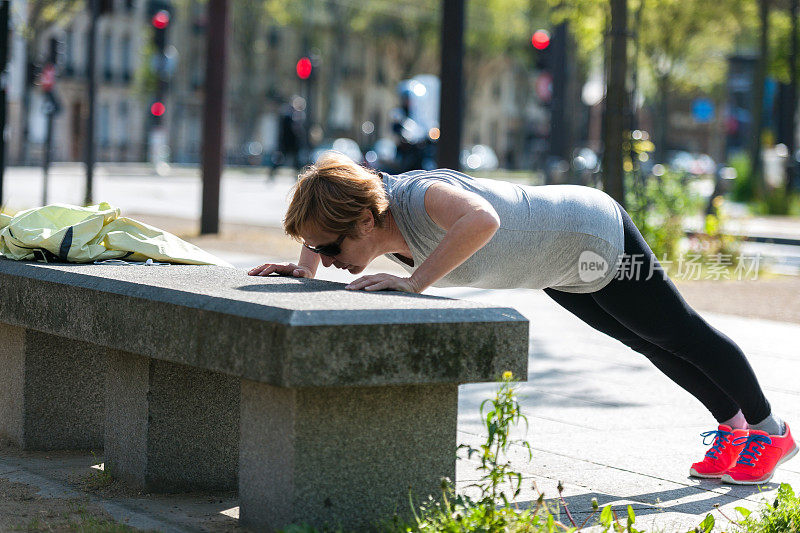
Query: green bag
[[68, 233]]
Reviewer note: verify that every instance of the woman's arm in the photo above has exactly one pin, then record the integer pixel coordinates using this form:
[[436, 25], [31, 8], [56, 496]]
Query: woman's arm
[[309, 259], [306, 267], [470, 222]]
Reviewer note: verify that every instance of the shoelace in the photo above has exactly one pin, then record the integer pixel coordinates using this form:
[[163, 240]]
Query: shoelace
[[720, 439], [750, 456]]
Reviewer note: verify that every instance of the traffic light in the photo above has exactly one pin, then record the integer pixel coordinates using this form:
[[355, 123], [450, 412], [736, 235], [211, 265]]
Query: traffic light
[[159, 15], [158, 109], [541, 44], [541, 39], [105, 7], [303, 68], [160, 22]]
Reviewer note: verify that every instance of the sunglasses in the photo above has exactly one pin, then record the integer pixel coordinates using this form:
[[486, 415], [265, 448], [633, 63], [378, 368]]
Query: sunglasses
[[330, 250]]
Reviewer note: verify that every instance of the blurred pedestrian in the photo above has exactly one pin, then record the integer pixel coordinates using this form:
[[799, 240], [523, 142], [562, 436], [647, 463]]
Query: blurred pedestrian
[[291, 135], [410, 137]]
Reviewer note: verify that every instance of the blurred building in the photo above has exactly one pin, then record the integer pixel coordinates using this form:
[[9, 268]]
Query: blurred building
[[120, 129], [350, 93]]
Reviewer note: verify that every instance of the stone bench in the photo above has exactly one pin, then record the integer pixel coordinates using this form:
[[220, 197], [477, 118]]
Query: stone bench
[[320, 405]]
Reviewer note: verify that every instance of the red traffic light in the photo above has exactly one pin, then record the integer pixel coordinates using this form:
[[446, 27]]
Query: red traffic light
[[303, 68], [157, 109], [541, 39], [161, 19]]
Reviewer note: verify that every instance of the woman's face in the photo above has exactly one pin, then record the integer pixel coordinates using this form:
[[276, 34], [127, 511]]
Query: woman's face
[[355, 255]]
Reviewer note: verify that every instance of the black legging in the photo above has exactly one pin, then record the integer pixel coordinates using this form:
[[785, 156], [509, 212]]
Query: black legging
[[652, 318]]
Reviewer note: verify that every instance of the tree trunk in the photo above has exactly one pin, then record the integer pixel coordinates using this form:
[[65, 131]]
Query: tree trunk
[[613, 172], [637, 39], [791, 168], [757, 109]]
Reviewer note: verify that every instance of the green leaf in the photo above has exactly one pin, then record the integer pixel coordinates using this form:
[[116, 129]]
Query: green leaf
[[606, 516], [744, 511], [631, 516], [708, 523]]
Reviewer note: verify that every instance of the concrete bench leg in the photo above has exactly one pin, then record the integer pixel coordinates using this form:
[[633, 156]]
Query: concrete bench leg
[[170, 427], [342, 456], [51, 391]]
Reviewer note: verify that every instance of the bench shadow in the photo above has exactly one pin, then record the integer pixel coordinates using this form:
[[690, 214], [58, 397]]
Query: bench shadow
[[284, 288], [311, 285], [294, 285], [650, 503], [550, 385]]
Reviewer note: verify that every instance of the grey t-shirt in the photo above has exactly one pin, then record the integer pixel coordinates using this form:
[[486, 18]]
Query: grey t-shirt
[[568, 237]]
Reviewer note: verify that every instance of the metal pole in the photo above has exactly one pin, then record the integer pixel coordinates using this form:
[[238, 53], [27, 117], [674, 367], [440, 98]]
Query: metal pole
[[305, 92], [94, 12], [451, 100], [792, 167], [4, 4], [48, 147], [213, 113], [757, 102], [559, 125], [51, 107]]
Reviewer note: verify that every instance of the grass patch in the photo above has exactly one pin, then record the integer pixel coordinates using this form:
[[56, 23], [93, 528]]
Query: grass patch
[[97, 480], [780, 516], [77, 518]]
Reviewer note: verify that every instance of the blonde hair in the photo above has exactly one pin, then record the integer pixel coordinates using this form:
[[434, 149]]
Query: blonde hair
[[332, 194]]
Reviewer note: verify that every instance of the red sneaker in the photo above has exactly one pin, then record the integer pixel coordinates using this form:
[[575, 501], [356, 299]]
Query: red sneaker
[[760, 456], [722, 454]]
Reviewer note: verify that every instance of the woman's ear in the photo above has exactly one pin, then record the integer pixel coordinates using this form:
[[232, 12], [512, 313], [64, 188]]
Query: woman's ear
[[366, 223]]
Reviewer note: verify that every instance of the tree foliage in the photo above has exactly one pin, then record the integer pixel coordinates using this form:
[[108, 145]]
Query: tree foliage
[[686, 41], [42, 14], [689, 41], [780, 44]]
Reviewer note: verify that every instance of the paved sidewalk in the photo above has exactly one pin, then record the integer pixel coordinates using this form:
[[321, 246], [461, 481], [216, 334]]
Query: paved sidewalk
[[602, 419], [605, 422], [246, 196], [609, 425]]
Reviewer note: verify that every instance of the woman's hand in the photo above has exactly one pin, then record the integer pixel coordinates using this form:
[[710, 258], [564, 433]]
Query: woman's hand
[[289, 269], [382, 282]]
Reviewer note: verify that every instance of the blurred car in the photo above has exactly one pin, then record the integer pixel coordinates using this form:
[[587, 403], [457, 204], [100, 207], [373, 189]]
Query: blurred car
[[704, 165], [479, 157], [346, 146], [694, 164]]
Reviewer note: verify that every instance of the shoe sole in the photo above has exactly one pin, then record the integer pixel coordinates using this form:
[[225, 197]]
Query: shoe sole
[[728, 479], [695, 473]]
